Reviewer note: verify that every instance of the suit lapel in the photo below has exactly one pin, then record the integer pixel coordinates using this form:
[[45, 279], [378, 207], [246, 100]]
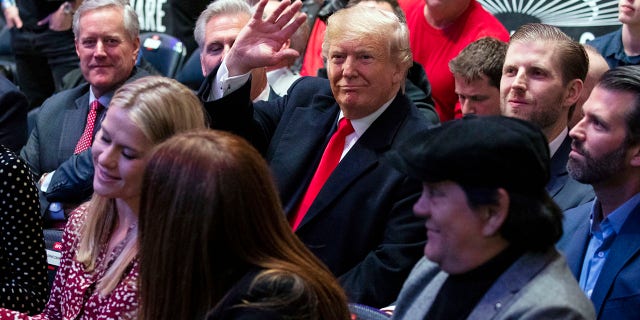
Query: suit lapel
[[510, 283], [625, 246], [361, 158], [558, 168], [73, 125], [574, 242], [296, 156]]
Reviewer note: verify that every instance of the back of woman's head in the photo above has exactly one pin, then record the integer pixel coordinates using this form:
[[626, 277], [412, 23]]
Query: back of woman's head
[[209, 211], [160, 107]]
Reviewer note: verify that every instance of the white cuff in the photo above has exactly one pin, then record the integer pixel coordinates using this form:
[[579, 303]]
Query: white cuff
[[224, 84]]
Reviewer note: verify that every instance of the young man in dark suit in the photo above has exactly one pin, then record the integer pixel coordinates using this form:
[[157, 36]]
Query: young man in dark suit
[[602, 237], [359, 221], [542, 78]]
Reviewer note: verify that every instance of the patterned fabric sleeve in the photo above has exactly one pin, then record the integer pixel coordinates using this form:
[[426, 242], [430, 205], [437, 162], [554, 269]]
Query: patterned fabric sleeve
[[23, 276], [73, 295]]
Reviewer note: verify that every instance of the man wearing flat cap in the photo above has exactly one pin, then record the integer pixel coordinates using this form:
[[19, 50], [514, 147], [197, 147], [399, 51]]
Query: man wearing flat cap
[[491, 226]]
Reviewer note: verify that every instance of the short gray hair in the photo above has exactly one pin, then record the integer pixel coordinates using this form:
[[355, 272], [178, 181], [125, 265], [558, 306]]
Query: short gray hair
[[217, 8], [131, 23]]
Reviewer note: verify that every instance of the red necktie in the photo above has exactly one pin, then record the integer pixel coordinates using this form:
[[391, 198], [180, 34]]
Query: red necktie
[[87, 136], [329, 161]]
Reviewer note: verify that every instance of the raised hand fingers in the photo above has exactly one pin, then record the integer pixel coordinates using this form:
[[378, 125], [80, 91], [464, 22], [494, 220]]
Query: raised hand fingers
[[288, 12]]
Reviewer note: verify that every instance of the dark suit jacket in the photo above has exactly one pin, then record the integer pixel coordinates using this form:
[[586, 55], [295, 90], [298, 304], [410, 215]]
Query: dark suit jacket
[[565, 191], [617, 291], [361, 223], [13, 116], [59, 125]]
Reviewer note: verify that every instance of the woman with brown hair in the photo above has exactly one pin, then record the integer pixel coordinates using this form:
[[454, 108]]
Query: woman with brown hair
[[98, 273], [214, 240]]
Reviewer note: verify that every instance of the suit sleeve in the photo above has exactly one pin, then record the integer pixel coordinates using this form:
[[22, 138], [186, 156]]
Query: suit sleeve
[[235, 113], [73, 180]]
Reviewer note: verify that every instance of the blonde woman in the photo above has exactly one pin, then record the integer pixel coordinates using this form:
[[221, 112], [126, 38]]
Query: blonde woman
[[98, 273]]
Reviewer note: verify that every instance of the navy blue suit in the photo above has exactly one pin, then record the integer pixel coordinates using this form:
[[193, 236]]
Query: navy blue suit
[[616, 294], [361, 224]]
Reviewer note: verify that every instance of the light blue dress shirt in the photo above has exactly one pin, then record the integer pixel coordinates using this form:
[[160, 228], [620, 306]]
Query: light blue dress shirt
[[603, 232]]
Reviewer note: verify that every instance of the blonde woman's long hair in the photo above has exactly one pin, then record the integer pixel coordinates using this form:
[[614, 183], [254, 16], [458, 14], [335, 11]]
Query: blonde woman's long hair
[[159, 107]]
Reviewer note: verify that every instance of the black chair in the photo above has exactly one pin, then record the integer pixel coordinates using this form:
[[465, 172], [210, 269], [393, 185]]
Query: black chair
[[164, 52], [363, 312], [52, 243], [191, 73]]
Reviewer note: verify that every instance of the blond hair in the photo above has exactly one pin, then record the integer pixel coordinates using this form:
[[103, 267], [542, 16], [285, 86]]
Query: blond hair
[[159, 107]]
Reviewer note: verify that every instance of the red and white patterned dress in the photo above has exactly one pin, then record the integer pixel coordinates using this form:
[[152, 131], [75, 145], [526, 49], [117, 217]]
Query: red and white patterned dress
[[73, 295]]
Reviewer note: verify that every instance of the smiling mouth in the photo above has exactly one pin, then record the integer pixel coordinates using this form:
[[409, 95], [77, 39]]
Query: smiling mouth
[[103, 175], [518, 102], [627, 7]]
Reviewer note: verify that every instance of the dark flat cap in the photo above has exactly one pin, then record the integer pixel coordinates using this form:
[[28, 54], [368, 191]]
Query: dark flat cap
[[488, 151]]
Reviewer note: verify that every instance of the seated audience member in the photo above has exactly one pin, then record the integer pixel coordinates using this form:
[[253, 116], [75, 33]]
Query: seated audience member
[[282, 75], [216, 30], [201, 249], [58, 150], [23, 273], [439, 31], [98, 273], [476, 72], [597, 67], [13, 116], [491, 226], [602, 238], [354, 213], [620, 47], [416, 86], [543, 74]]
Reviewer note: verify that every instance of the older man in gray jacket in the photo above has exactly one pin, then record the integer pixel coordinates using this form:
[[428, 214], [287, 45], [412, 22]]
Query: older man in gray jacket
[[491, 226]]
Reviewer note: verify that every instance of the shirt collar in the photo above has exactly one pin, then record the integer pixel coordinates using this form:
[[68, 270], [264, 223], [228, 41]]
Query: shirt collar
[[105, 99], [615, 46], [618, 216], [555, 144], [361, 125]]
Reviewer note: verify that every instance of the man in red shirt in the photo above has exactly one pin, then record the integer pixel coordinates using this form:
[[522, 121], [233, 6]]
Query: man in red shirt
[[439, 30]]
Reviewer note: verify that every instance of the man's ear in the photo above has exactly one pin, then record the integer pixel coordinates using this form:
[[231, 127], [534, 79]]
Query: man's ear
[[496, 214], [635, 156], [572, 94]]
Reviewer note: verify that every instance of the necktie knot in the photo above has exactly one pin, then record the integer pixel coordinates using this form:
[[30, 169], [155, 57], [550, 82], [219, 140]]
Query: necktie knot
[[87, 135], [344, 127], [95, 106]]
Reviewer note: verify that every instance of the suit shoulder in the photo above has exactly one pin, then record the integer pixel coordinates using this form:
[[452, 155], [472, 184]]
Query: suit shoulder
[[605, 39], [579, 213], [62, 99], [568, 300], [310, 86]]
